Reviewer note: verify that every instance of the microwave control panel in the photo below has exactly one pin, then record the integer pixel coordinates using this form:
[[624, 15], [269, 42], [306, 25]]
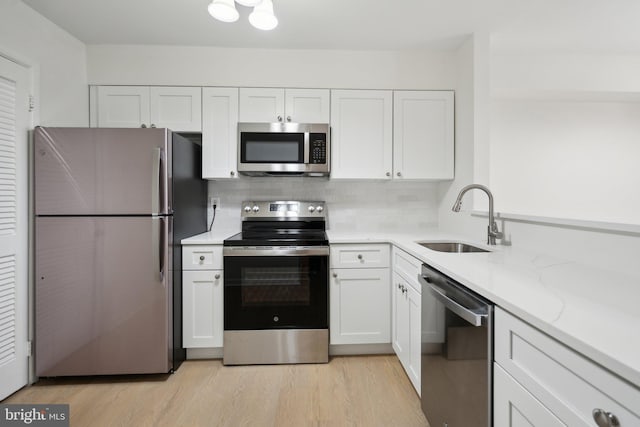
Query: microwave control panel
[[318, 148]]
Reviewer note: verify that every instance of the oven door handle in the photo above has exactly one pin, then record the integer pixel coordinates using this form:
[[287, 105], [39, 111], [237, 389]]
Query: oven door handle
[[470, 316], [277, 251]]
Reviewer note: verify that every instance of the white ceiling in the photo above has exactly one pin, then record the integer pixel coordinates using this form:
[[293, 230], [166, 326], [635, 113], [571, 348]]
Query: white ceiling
[[582, 25]]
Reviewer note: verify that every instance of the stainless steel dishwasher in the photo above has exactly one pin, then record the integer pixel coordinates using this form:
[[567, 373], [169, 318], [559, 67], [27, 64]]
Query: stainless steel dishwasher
[[457, 371]]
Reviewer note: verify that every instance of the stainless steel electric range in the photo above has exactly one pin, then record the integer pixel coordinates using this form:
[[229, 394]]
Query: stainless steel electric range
[[276, 285]]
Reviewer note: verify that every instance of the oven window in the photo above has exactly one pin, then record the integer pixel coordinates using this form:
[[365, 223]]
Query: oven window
[[281, 286], [258, 147], [275, 292]]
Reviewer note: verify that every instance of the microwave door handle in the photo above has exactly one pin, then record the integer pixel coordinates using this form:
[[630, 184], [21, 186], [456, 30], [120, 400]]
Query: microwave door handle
[[305, 160]]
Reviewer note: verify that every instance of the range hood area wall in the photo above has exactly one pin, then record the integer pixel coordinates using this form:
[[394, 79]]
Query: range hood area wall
[[352, 205]]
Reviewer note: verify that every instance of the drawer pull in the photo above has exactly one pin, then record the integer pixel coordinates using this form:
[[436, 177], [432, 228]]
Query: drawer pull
[[604, 418], [359, 256], [217, 276], [201, 257], [335, 275]]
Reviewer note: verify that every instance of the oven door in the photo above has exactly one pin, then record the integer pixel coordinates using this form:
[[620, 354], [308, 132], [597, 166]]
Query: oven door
[[276, 288]]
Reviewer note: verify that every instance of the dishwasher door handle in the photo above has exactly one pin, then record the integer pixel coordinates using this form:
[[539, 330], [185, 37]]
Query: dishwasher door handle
[[474, 318]]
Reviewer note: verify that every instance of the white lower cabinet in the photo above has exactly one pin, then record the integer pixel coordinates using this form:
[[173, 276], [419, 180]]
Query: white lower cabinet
[[514, 406], [567, 385], [202, 296], [360, 298], [202, 300], [406, 328]]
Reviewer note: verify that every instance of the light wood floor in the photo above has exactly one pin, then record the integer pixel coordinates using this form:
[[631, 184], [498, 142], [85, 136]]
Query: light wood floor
[[348, 391]]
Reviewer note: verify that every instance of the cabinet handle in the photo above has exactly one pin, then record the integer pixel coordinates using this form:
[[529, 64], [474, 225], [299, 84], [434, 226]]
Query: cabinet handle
[[388, 174], [279, 118], [143, 126], [399, 174], [359, 256], [217, 276], [153, 126], [233, 173], [288, 118], [201, 257], [604, 418]]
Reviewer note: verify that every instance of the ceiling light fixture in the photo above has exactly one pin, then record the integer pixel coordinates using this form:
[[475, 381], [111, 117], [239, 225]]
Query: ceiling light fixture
[[261, 18]]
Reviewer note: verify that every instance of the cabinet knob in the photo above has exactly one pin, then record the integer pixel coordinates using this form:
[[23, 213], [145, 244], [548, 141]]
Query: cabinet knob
[[201, 257], [153, 126], [279, 118], [359, 256], [335, 275], [233, 173], [288, 118], [388, 173], [143, 126], [604, 418], [217, 276], [399, 174]]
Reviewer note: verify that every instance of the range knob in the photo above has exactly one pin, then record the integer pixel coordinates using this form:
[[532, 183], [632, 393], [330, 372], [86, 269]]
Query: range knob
[[256, 208], [319, 209], [247, 209], [311, 209]]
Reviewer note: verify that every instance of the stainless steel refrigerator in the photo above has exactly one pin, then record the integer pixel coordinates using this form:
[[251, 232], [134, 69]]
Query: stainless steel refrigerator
[[111, 206]]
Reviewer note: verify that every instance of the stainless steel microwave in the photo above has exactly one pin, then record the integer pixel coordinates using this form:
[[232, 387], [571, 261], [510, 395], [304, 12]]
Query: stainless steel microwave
[[294, 149]]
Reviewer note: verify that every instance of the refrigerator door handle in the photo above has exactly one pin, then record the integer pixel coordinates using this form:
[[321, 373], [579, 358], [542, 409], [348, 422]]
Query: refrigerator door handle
[[155, 180], [157, 246]]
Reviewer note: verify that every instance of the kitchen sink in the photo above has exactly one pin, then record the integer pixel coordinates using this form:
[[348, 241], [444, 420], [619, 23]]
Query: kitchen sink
[[453, 247]]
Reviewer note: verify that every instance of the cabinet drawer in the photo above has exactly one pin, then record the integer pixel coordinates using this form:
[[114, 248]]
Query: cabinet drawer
[[566, 382], [408, 267], [202, 257], [359, 256]]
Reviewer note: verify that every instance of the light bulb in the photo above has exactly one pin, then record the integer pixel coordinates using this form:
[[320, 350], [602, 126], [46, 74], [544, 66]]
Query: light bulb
[[223, 10], [262, 16]]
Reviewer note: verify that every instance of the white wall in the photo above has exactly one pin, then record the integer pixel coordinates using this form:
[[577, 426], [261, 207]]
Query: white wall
[[211, 66], [567, 159], [58, 59]]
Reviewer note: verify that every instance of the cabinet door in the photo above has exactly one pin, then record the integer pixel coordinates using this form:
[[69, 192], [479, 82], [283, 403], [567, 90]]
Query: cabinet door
[[400, 323], [360, 306], [423, 140], [123, 106], [202, 305], [261, 105], [406, 328], [307, 105], [361, 131], [176, 108], [219, 132], [514, 406], [414, 350]]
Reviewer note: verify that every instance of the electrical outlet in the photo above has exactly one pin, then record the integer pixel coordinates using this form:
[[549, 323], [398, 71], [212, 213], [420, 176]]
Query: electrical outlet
[[214, 201]]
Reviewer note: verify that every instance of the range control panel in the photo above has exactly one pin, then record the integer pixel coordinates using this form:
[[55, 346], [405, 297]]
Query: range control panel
[[283, 209]]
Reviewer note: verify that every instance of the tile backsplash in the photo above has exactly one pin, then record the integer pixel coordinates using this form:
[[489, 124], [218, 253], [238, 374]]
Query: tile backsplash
[[351, 205]]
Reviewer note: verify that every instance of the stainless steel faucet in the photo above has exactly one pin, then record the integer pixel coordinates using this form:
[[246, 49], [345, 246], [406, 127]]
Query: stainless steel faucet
[[492, 230]]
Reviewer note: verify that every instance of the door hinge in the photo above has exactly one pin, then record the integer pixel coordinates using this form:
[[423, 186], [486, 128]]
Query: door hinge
[[32, 103]]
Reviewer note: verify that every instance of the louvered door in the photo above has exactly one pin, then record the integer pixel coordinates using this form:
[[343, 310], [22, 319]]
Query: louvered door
[[13, 226]]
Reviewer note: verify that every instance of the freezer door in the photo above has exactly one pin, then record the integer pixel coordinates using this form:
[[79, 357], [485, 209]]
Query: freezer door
[[103, 295], [89, 171]]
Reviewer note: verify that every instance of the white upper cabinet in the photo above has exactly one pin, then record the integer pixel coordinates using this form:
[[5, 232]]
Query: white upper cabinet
[[219, 132], [270, 105], [361, 131], [423, 135], [176, 108], [307, 105]]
